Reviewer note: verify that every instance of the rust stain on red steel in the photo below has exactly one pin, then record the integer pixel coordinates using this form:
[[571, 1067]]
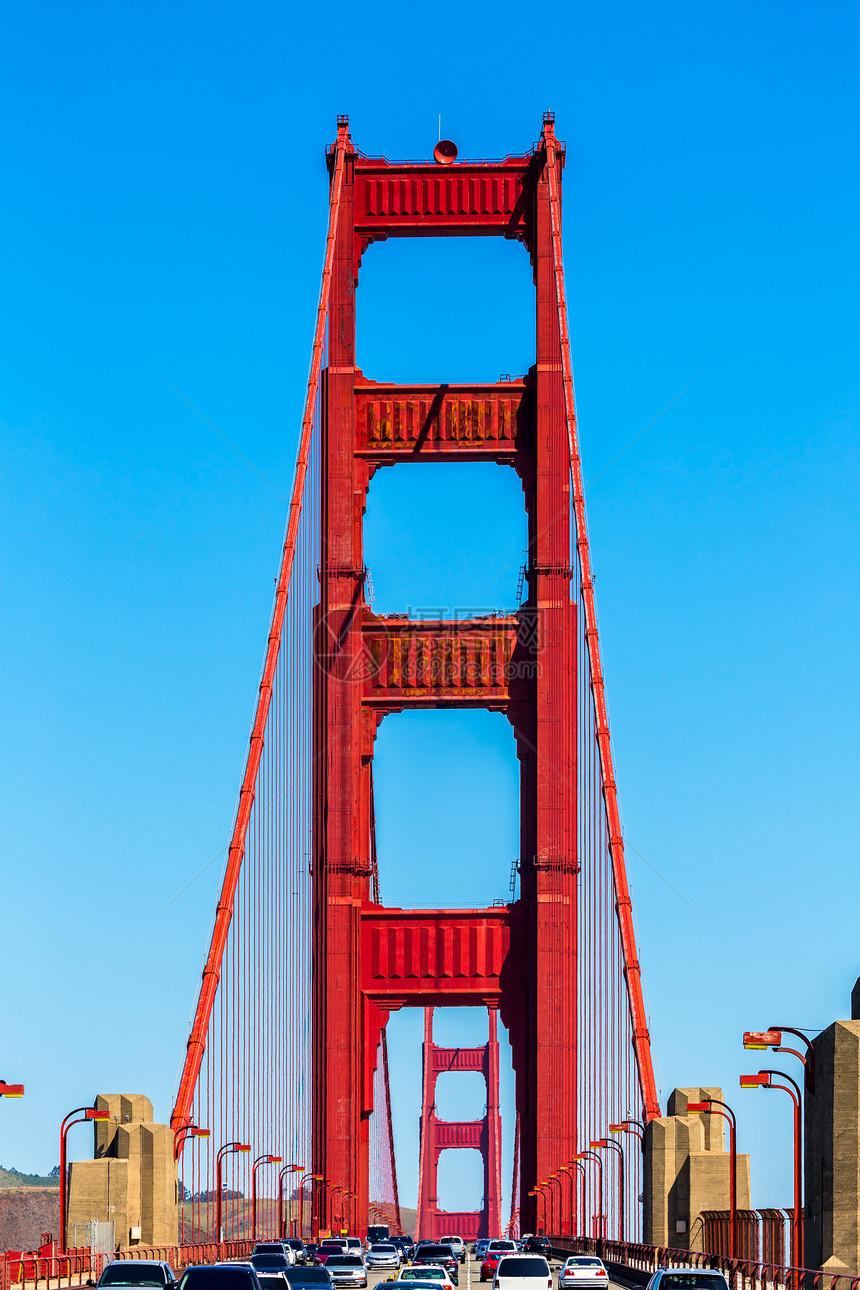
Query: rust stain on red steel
[[433, 421], [421, 663]]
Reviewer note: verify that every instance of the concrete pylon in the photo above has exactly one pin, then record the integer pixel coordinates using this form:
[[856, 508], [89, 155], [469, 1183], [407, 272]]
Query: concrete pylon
[[687, 1171], [133, 1179], [832, 1149]]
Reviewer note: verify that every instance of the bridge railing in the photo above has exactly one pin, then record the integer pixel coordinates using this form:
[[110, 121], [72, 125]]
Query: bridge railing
[[76, 1267], [742, 1274]]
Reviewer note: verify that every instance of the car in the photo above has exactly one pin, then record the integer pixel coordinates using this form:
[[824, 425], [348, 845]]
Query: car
[[493, 1254], [346, 1269], [457, 1246], [479, 1249], [328, 1247], [293, 1243], [219, 1276], [266, 1262], [274, 1247], [687, 1279], [299, 1278], [421, 1273], [311, 1252], [273, 1280], [136, 1272], [428, 1285], [522, 1272], [383, 1254], [582, 1270], [377, 1232], [438, 1254], [537, 1245]]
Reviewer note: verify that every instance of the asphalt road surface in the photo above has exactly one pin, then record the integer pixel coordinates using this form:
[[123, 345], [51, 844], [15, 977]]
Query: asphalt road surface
[[470, 1276]]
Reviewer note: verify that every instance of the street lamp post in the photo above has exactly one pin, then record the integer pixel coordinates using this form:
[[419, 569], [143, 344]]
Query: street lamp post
[[538, 1194], [630, 1126], [616, 1146], [314, 1178], [85, 1113], [707, 1108], [592, 1155], [186, 1131], [227, 1149], [764, 1079], [555, 1227], [574, 1213], [347, 1195], [264, 1159], [287, 1169], [772, 1038], [330, 1207]]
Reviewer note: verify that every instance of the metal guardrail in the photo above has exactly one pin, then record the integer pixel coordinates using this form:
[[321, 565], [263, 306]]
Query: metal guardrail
[[75, 1268], [741, 1274]]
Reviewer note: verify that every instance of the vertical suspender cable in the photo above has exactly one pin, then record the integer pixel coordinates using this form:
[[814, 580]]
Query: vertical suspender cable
[[212, 968], [641, 1038]]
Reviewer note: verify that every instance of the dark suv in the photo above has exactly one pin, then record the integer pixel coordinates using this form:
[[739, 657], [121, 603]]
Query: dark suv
[[219, 1276], [440, 1255], [538, 1245]]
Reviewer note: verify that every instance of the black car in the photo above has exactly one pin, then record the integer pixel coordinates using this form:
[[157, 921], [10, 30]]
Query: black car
[[538, 1245], [441, 1255], [301, 1277], [219, 1276], [266, 1262], [137, 1272]]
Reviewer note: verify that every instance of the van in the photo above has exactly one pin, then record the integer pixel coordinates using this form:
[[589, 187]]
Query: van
[[522, 1272]]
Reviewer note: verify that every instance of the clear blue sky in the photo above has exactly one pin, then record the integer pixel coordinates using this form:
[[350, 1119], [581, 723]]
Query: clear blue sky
[[164, 209]]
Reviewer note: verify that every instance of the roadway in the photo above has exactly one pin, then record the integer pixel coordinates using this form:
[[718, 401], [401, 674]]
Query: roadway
[[470, 1276]]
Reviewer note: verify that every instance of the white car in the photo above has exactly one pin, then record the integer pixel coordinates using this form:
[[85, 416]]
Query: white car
[[425, 1273], [522, 1272], [456, 1243], [582, 1270], [382, 1255], [687, 1279]]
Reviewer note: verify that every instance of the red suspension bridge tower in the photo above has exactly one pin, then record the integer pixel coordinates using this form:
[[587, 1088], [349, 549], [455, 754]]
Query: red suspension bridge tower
[[300, 928], [484, 1135]]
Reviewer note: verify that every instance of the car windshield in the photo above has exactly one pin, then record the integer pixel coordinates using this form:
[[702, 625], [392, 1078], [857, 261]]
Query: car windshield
[[692, 1281], [269, 1260], [383, 1249], [421, 1274], [502, 1245], [130, 1274], [218, 1279], [344, 1261], [584, 1263], [522, 1267]]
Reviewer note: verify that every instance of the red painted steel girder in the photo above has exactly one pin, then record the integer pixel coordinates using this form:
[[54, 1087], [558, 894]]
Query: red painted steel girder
[[424, 956], [444, 1060], [412, 664], [409, 199], [443, 422]]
